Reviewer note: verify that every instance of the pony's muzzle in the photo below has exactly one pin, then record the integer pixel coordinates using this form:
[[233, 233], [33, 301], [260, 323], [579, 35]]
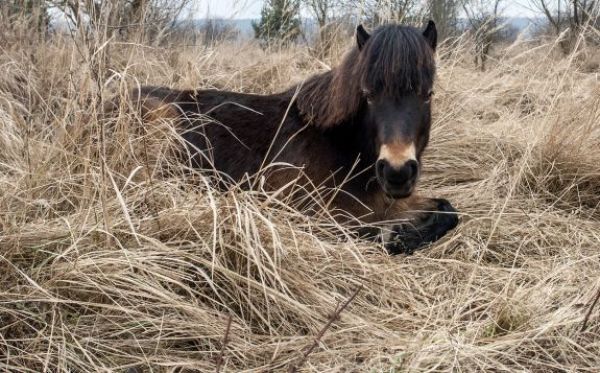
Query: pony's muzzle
[[397, 182]]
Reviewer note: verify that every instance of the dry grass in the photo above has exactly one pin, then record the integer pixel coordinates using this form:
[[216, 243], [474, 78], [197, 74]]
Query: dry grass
[[111, 258]]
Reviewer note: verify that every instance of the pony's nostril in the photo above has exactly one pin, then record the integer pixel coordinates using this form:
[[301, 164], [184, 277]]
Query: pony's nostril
[[397, 182], [412, 168], [399, 176]]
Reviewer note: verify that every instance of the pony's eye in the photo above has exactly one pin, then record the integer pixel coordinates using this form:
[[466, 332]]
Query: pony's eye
[[429, 95], [368, 95]]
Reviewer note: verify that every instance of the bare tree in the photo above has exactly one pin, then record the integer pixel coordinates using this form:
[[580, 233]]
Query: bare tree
[[150, 18], [445, 15], [396, 10], [214, 31], [562, 14], [376, 12], [322, 10], [27, 15], [483, 18], [569, 15]]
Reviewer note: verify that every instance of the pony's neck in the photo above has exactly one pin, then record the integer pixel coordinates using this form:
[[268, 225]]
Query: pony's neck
[[332, 98], [353, 141]]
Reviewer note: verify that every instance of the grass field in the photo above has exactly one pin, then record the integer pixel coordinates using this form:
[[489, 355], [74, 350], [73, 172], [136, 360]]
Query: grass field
[[111, 258]]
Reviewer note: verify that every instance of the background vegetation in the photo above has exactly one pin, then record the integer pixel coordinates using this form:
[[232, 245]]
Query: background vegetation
[[115, 257]]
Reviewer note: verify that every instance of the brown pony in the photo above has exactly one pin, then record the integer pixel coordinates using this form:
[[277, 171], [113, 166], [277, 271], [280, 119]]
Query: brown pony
[[361, 127]]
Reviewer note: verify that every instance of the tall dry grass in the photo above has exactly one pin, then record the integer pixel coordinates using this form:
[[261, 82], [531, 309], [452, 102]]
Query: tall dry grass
[[115, 256]]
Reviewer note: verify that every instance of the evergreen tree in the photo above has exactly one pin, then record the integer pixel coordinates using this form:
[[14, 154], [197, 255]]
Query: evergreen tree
[[279, 21]]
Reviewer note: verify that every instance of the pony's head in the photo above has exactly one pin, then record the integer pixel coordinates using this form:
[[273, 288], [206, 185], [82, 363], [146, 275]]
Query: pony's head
[[396, 77], [385, 83]]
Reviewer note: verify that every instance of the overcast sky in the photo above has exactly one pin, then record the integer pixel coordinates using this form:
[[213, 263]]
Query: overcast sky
[[251, 8]]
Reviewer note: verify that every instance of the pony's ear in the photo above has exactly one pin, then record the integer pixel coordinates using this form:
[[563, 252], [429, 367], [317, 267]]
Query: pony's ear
[[430, 34], [361, 36]]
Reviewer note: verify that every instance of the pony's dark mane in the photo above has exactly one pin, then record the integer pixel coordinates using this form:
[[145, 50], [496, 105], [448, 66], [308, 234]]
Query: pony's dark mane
[[396, 60]]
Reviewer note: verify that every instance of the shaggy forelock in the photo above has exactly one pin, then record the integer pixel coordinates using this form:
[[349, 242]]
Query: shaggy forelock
[[396, 60]]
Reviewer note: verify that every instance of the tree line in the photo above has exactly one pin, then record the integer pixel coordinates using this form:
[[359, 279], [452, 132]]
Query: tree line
[[281, 20], [149, 19]]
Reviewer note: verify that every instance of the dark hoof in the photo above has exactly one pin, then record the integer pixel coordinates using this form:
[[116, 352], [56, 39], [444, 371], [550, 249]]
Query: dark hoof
[[368, 233], [407, 238]]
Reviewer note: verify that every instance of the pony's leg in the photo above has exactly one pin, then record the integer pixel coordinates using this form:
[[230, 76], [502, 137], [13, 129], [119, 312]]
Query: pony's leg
[[411, 223], [427, 223], [403, 225]]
